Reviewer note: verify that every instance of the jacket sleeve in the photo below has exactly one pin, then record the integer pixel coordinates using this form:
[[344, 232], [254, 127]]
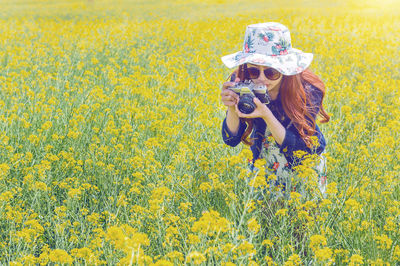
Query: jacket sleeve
[[230, 138], [293, 141]]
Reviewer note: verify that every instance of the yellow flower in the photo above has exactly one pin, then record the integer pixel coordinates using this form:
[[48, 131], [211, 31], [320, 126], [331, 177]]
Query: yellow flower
[[6, 196], [122, 201], [193, 239], [228, 264], [396, 253], [83, 253], [163, 262], [4, 169], [253, 226], [47, 125], [94, 61], [246, 249], [356, 260], [281, 212], [383, 241], [195, 257], [205, 187], [28, 260], [325, 203], [228, 247], [353, 205], [304, 215], [60, 256], [293, 260], [331, 188], [211, 223], [75, 193], [185, 207], [378, 262], [390, 224], [259, 181], [267, 243], [324, 255], [269, 261], [34, 139], [316, 241], [175, 255], [27, 234], [34, 224], [39, 185], [246, 154], [250, 206], [126, 238]]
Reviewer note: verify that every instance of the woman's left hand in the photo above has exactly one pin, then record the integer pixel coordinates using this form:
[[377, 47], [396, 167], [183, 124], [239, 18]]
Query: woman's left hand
[[260, 111]]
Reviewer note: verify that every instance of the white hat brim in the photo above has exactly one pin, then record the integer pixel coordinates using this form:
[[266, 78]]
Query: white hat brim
[[292, 63]]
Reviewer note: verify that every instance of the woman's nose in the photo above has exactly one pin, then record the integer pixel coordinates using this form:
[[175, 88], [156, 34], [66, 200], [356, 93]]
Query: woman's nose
[[262, 77]]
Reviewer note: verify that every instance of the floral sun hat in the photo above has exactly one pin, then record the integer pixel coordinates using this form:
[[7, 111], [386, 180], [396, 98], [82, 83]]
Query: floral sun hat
[[269, 44]]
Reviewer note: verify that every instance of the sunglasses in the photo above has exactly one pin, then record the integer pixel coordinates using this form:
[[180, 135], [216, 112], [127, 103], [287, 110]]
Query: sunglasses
[[270, 73]]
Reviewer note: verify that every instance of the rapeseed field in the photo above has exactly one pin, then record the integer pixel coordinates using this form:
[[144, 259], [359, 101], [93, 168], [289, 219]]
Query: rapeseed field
[[110, 143]]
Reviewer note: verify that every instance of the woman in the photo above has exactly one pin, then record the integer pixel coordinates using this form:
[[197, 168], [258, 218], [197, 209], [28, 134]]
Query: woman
[[287, 123]]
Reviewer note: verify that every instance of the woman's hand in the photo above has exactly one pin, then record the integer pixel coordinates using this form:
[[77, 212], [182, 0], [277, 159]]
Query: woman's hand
[[261, 110], [229, 97]]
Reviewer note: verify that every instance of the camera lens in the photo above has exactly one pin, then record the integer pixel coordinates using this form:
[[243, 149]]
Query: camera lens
[[246, 104]]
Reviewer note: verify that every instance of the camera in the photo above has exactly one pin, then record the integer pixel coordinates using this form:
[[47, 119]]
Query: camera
[[247, 90]]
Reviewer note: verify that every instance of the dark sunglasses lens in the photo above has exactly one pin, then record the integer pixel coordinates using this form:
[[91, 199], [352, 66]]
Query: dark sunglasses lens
[[253, 72], [272, 74]]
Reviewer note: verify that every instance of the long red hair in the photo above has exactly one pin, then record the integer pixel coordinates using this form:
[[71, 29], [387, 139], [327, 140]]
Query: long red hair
[[294, 101]]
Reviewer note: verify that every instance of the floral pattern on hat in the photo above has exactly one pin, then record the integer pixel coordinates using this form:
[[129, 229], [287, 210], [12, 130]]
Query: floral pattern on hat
[[266, 37], [269, 44], [281, 48]]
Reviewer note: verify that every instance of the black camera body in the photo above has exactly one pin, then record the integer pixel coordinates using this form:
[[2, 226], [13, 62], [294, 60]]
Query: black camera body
[[247, 90]]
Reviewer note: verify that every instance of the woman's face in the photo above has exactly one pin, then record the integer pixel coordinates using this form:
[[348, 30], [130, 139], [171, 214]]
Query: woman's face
[[272, 85]]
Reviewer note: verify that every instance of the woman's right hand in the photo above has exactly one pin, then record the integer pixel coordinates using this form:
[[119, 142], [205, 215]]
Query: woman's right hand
[[229, 97]]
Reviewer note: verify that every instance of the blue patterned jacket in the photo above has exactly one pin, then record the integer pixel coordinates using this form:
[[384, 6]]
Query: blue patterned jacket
[[292, 141]]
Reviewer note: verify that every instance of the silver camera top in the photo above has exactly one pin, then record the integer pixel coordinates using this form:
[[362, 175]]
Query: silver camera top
[[248, 87]]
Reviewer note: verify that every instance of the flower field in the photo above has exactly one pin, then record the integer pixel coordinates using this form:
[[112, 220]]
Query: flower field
[[110, 143]]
